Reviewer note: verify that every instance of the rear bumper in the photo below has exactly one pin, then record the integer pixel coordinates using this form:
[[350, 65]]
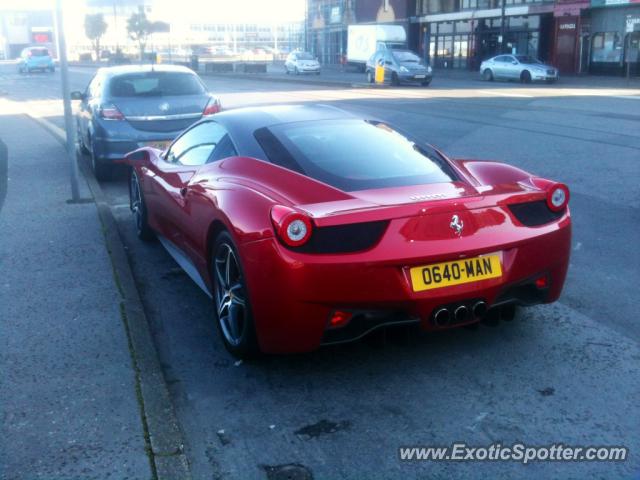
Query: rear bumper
[[110, 149], [293, 295]]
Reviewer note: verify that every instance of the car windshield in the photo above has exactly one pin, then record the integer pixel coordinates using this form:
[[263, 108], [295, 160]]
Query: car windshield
[[404, 56], [527, 59], [352, 154], [152, 84], [39, 52], [305, 56]]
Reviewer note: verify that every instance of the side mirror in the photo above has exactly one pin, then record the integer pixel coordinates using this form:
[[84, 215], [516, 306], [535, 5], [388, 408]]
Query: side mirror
[[77, 96], [137, 156]]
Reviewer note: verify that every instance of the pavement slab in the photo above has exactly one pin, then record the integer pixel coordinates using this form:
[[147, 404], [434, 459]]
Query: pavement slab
[[69, 405]]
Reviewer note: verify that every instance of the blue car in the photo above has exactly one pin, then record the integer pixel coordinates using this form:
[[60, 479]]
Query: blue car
[[132, 106], [36, 58]]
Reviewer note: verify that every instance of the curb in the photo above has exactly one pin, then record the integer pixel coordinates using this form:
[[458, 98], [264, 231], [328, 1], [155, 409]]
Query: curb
[[160, 423], [259, 77]]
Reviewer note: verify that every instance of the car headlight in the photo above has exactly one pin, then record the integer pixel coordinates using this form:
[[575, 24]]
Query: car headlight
[[429, 69], [404, 69]]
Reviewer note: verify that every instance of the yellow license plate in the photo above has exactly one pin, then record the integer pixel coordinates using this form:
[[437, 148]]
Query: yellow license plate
[[160, 145], [455, 273]]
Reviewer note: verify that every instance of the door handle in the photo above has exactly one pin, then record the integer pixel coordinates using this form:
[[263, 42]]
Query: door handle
[[184, 191]]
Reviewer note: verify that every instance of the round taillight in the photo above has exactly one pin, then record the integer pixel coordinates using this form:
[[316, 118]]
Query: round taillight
[[557, 197], [293, 227], [296, 229]]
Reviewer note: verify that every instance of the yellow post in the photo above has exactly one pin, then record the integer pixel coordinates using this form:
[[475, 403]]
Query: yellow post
[[379, 73]]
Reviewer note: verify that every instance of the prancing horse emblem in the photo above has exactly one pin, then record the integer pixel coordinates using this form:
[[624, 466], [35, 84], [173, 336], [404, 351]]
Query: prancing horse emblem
[[457, 224], [164, 106]]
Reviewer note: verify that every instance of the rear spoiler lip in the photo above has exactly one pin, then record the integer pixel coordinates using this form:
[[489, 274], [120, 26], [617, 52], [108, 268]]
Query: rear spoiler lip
[[372, 213]]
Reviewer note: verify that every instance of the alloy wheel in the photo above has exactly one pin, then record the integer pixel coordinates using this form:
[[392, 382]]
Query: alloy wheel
[[136, 201], [230, 296]]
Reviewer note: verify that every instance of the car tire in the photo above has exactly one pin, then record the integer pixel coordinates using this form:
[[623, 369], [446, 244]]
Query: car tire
[[296, 71], [286, 70], [139, 209], [370, 77], [395, 81], [525, 77], [81, 146], [487, 75], [100, 169], [232, 307]]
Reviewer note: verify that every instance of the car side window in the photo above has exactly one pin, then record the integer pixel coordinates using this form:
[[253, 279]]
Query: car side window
[[196, 145], [224, 149], [93, 89]]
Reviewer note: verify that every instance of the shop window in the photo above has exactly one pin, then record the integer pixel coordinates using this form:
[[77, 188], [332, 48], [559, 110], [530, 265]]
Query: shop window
[[606, 48]]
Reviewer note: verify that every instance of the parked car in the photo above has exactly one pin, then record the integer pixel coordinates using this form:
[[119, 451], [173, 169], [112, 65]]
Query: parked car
[[127, 107], [400, 66], [301, 62], [524, 68], [307, 227], [35, 58]]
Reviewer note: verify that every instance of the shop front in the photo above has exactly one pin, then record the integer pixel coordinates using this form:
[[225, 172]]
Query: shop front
[[465, 42], [615, 37], [570, 37]]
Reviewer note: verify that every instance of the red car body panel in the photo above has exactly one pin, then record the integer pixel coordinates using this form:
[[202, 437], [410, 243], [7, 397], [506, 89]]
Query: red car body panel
[[292, 293]]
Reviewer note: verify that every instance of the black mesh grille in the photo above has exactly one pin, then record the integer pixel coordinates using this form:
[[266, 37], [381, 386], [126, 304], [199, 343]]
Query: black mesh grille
[[533, 214], [344, 238]]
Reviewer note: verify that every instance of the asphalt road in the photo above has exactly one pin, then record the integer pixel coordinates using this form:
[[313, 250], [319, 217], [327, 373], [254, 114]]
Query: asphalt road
[[565, 373]]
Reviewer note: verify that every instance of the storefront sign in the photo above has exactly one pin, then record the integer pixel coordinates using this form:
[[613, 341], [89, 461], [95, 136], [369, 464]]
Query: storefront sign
[[633, 23], [567, 26], [607, 3], [573, 9]]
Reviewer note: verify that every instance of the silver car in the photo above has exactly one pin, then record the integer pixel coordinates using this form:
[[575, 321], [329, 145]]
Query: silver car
[[524, 68], [301, 62]]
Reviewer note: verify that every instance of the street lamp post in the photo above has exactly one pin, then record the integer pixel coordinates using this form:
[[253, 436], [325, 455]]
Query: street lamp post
[[502, 18], [66, 101]]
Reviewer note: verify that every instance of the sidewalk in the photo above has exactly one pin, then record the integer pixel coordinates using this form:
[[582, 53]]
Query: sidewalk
[[335, 75], [68, 386]]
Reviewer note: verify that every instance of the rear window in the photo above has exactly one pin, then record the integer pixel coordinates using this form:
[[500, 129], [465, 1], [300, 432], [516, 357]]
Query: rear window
[[39, 52], [155, 84], [352, 154]]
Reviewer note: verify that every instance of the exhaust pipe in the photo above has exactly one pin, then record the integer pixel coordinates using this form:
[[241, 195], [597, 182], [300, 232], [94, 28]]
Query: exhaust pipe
[[442, 317], [461, 314], [480, 309], [507, 312]]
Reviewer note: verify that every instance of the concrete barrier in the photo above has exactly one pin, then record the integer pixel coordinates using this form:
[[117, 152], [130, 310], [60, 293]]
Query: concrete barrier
[[218, 67], [246, 67]]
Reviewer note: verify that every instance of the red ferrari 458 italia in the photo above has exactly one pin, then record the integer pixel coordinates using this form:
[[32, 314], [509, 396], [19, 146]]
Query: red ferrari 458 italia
[[308, 226]]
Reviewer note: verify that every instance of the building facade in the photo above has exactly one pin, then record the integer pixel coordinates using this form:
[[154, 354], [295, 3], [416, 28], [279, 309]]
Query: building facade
[[614, 28], [462, 33], [327, 22], [21, 29], [577, 36]]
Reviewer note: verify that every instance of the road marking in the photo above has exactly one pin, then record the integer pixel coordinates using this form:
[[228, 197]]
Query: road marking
[[504, 94]]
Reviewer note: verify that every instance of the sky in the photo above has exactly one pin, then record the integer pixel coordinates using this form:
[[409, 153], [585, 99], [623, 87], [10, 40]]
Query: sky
[[252, 11]]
